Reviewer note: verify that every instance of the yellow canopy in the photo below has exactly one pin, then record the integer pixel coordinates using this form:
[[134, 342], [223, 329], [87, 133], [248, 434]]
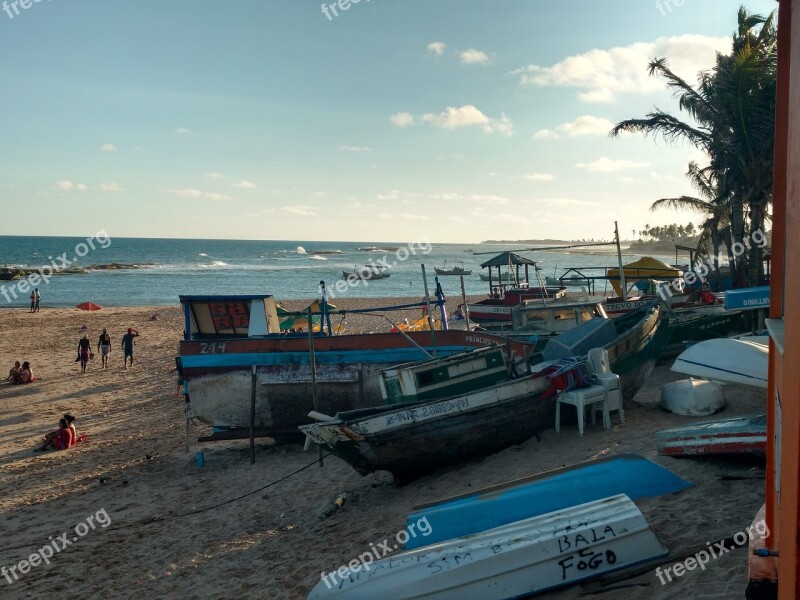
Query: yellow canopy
[[643, 269]]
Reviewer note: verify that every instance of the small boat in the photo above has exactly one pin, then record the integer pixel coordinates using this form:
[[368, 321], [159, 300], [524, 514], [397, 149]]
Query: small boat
[[738, 435], [501, 278], [367, 273], [443, 377], [567, 281], [479, 510], [519, 559], [726, 360], [414, 439], [498, 309], [454, 271], [552, 317]]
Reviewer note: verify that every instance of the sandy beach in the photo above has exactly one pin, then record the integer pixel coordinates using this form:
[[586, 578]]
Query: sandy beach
[[157, 525]]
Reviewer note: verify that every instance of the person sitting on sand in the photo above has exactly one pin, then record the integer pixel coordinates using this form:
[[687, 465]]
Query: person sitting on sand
[[61, 439], [12, 374], [458, 314], [25, 374], [128, 344], [104, 347], [84, 351]]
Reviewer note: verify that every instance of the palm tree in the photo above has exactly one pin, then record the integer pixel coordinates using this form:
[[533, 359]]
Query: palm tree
[[733, 114]]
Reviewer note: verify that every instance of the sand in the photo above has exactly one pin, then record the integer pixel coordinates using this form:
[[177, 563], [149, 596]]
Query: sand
[[162, 526]]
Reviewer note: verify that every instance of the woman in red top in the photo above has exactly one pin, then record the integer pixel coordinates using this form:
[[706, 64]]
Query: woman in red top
[[61, 439]]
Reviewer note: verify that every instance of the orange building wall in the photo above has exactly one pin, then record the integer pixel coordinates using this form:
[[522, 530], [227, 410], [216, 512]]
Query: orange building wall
[[784, 507]]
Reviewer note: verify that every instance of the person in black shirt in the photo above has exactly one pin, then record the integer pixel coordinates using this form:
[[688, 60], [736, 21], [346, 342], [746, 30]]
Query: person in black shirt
[[84, 351]]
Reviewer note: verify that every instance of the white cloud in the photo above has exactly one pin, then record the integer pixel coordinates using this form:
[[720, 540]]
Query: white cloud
[[402, 119], [215, 175], [111, 187], [627, 179], [63, 185], [182, 131], [600, 74], [583, 125], [216, 196], [437, 48], [538, 177], [108, 148], [300, 211], [244, 185], [473, 57], [660, 177], [476, 198], [466, 116], [187, 193], [608, 165], [81, 187], [355, 148]]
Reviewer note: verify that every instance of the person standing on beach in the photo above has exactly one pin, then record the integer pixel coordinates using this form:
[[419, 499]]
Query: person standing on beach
[[38, 299], [33, 301], [84, 351], [104, 348], [128, 344]]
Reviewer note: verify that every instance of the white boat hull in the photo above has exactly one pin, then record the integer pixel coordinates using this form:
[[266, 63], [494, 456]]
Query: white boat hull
[[515, 560], [726, 360]]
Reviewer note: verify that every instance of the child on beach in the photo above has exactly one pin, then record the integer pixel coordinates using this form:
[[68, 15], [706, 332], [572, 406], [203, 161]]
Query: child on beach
[[60, 439], [33, 301]]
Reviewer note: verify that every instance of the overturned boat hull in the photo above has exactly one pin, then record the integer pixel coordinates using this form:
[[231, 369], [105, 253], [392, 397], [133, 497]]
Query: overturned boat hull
[[739, 435]]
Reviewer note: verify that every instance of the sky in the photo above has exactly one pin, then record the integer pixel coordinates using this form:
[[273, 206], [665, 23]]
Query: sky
[[382, 120]]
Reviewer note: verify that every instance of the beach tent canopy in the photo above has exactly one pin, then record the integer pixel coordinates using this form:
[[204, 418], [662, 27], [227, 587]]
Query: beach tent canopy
[[507, 258], [88, 306], [298, 321], [642, 270]]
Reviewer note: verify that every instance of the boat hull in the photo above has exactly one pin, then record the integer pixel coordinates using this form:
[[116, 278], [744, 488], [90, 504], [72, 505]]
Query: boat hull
[[728, 360], [513, 561], [740, 435], [218, 375]]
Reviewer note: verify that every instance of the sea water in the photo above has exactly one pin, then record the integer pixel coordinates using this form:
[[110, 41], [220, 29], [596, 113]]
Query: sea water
[[284, 269]]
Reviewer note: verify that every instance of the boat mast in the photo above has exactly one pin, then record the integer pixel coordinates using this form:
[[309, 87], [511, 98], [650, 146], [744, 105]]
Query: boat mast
[[619, 259]]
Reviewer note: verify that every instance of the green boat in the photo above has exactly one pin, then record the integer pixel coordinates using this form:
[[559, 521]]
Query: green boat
[[696, 326]]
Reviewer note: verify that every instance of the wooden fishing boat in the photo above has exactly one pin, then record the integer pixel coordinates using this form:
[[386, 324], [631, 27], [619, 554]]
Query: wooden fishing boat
[[418, 438], [457, 270], [516, 560], [493, 506], [226, 336], [727, 360], [498, 309], [739, 435]]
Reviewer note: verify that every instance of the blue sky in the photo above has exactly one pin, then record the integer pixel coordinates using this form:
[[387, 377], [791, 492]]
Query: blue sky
[[459, 120]]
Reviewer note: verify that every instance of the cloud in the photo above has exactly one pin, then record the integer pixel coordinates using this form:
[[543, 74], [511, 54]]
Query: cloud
[[244, 185], [476, 198], [608, 165], [466, 116], [195, 193], [538, 177], [600, 75], [111, 187], [583, 125], [473, 57], [436, 48], [402, 119], [215, 175], [66, 186], [108, 148], [355, 148], [300, 211], [182, 131], [627, 179]]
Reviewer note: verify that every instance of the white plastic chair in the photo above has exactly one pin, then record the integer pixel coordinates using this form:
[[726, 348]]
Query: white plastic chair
[[580, 398], [600, 365]]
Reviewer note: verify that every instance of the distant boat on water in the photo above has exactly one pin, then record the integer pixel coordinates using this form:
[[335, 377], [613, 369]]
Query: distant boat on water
[[367, 272], [457, 270]]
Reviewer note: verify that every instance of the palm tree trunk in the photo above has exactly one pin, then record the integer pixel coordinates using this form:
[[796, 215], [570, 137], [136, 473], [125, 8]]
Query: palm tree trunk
[[756, 254], [737, 233]]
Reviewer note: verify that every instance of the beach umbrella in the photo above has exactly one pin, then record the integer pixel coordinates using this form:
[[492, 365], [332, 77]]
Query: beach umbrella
[[88, 306]]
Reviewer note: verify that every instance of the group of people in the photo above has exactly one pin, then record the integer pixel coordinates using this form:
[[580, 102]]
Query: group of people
[[20, 373], [36, 298], [85, 353], [62, 438]]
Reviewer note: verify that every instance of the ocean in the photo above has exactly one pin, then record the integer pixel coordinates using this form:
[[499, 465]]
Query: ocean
[[285, 269]]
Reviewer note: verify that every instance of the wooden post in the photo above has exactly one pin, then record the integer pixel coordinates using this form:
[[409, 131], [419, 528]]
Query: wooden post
[[188, 420], [464, 299], [623, 283], [428, 304], [253, 383], [312, 363]]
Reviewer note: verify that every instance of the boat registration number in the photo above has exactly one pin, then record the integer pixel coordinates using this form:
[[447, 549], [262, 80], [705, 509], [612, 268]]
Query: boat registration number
[[440, 408], [212, 348]]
